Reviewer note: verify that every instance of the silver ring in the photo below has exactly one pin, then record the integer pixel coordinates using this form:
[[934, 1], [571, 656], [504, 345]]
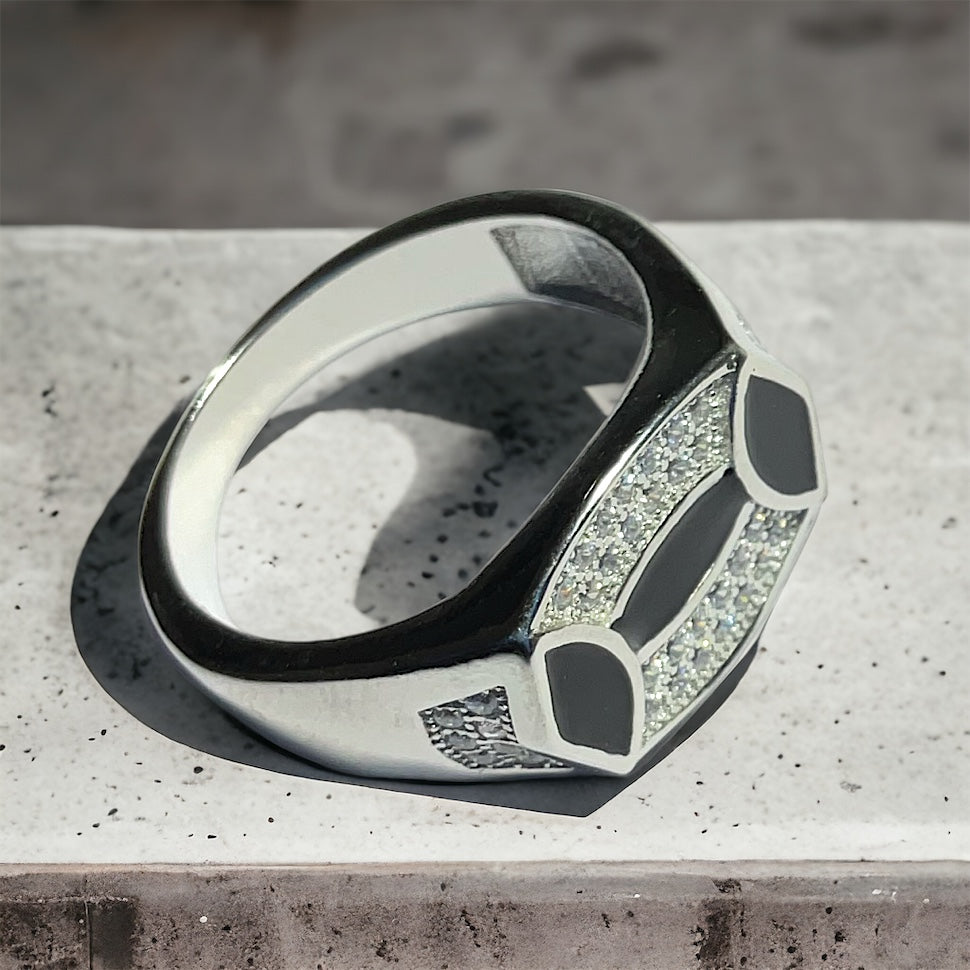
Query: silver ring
[[621, 613]]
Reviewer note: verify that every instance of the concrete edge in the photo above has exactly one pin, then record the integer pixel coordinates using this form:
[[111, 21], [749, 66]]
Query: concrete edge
[[712, 916], [67, 232]]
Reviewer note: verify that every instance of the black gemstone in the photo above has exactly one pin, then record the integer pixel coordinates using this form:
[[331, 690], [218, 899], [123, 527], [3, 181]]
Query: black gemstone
[[592, 697], [778, 432]]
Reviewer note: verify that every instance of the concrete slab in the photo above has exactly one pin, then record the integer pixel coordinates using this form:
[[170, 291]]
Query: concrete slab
[[846, 741], [544, 916]]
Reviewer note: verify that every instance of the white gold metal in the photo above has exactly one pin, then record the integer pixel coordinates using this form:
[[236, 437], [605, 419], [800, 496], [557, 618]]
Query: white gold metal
[[485, 686]]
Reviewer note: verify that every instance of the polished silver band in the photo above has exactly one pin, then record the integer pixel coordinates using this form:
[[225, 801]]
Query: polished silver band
[[626, 607]]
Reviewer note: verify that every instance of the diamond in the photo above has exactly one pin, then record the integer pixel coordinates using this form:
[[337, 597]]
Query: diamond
[[702, 449], [447, 717], [605, 526], [703, 659], [485, 758], [565, 594], [505, 747], [678, 435], [533, 759], [492, 728], [632, 528], [460, 742], [680, 469], [749, 600], [679, 648], [586, 552], [484, 705], [613, 560], [658, 495], [650, 463], [770, 561]]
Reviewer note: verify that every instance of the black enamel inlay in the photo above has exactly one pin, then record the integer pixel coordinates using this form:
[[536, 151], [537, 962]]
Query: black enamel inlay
[[592, 698], [778, 432], [681, 562]]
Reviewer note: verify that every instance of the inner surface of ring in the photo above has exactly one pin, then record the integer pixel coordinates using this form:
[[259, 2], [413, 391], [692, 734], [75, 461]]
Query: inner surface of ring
[[485, 262]]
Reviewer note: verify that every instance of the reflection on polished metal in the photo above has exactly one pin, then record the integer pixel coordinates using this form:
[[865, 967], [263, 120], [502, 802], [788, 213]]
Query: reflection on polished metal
[[626, 607]]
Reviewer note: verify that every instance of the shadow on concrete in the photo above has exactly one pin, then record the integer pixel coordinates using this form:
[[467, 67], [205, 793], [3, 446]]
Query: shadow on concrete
[[542, 419]]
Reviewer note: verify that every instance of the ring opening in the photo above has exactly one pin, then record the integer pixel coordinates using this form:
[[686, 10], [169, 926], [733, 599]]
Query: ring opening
[[481, 268]]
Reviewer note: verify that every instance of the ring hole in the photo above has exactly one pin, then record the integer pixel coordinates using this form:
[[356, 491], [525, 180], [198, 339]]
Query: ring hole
[[386, 483]]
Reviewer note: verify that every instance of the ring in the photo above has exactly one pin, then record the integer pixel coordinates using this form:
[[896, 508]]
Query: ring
[[622, 612]]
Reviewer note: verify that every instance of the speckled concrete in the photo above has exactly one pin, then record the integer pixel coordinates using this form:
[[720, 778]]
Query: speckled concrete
[[542, 917], [847, 740]]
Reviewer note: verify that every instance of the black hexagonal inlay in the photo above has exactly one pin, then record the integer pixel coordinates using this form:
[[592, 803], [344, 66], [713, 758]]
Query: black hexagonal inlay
[[778, 432], [679, 565], [592, 697]]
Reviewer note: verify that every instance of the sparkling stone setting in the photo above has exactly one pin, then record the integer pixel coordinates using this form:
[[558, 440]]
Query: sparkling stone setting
[[696, 652], [477, 732], [691, 448], [692, 443]]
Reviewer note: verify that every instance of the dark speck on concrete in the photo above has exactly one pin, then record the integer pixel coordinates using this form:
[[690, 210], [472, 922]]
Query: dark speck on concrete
[[954, 141], [713, 940], [484, 510], [619, 55], [851, 26], [464, 127]]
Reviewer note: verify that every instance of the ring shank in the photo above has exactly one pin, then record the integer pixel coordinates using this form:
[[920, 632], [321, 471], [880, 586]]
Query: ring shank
[[449, 269]]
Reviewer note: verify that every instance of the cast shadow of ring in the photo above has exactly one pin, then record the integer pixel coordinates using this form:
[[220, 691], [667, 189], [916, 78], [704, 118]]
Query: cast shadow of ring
[[118, 642]]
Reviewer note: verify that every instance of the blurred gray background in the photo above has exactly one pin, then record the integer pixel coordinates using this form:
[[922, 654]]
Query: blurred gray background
[[293, 113]]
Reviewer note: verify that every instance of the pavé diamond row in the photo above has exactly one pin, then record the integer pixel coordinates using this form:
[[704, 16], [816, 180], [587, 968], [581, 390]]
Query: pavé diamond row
[[692, 657]]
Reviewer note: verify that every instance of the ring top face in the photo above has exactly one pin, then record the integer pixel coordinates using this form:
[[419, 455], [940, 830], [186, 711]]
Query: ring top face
[[627, 605], [670, 576]]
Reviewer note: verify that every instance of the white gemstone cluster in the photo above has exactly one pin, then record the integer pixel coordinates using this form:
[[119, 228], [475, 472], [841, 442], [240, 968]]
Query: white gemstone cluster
[[477, 732], [692, 657], [693, 442]]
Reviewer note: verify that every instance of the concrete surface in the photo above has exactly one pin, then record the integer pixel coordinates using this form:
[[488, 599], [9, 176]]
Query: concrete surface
[[847, 740], [540, 917], [323, 114]]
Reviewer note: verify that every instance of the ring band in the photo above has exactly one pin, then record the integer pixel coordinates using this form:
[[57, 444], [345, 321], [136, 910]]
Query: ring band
[[623, 610]]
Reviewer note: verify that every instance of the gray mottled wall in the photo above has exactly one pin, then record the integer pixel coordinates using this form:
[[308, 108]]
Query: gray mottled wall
[[291, 113]]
